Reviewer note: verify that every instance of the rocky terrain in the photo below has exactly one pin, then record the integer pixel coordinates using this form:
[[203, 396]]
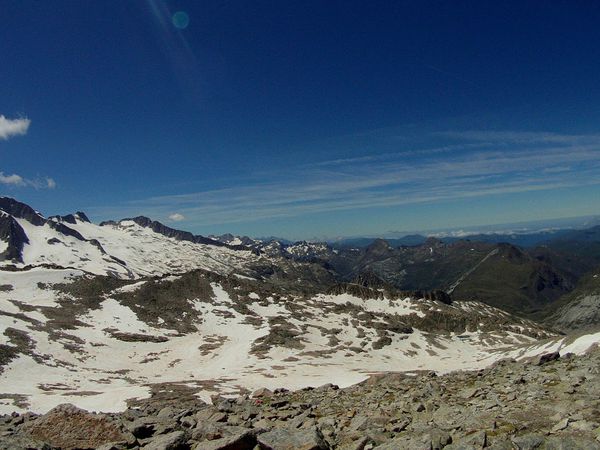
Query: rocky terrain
[[97, 341], [168, 333], [547, 402]]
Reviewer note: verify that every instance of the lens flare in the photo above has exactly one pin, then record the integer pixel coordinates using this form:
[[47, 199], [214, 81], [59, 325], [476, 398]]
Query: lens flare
[[181, 20]]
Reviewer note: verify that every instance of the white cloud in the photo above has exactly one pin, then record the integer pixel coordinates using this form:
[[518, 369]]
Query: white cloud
[[15, 180], [176, 217], [12, 127], [12, 180]]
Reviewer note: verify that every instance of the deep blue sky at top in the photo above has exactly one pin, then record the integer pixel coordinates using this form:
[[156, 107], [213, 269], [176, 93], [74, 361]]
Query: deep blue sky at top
[[304, 118]]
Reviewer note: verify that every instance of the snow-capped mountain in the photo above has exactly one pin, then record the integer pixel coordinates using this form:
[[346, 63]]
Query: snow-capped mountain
[[232, 240], [300, 250], [98, 314], [128, 248]]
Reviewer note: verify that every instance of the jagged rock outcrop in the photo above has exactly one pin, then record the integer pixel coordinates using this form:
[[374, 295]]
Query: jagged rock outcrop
[[180, 235], [21, 210], [13, 234], [158, 227], [72, 218]]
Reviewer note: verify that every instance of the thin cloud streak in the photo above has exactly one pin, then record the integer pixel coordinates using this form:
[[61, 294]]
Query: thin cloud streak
[[542, 161]]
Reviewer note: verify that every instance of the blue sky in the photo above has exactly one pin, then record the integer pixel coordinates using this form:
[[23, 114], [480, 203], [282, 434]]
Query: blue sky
[[302, 119]]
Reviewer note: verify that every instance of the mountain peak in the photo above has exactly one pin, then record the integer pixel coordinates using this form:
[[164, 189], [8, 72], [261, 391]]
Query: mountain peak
[[20, 210], [82, 216], [432, 241], [71, 218], [379, 245], [179, 235]]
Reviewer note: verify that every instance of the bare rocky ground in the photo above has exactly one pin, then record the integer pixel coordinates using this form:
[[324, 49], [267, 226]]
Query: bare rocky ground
[[551, 402]]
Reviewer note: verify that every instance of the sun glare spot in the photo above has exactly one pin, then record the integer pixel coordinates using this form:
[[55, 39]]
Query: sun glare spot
[[181, 20]]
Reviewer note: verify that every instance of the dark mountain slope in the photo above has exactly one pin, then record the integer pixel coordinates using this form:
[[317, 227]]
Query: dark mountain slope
[[579, 310], [516, 281]]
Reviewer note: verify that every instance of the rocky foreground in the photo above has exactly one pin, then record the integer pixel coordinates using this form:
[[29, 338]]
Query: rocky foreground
[[551, 402]]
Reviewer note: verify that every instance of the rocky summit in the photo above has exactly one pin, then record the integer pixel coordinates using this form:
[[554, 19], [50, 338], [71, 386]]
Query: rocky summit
[[546, 402]]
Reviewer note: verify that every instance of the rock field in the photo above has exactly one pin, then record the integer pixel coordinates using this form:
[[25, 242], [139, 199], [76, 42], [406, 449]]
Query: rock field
[[550, 402]]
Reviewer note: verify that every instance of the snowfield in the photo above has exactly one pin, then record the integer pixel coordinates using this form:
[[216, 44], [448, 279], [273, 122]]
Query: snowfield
[[107, 354], [150, 253], [48, 246]]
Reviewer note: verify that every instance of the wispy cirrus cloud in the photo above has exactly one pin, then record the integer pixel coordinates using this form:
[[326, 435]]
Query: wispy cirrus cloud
[[13, 127], [498, 163], [522, 137]]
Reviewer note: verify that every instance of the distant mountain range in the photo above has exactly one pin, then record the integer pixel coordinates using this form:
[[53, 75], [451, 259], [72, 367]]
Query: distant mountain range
[[523, 273], [529, 239]]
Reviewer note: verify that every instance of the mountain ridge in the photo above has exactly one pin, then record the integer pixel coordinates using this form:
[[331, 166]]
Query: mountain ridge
[[464, 269]]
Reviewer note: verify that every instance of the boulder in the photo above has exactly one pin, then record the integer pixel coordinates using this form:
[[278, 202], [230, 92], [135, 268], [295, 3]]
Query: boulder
[[529, 441], [144, 427], [170, 441], [546, 358], [69, 427], [262, 392], [241, 441], [473, 441], [571, 443], [285, 439], [22, 443]]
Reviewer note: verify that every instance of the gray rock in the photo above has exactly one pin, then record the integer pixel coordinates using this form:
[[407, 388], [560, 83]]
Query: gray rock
[[529, 441], [406, 443], [439, 439], [475, 440], [571, 443], [584, 425], [226, 405], [285, 439], [188, 422], [241, 441], [167, 411], [207, 430], [460, 446], [145, 427], [358, 444], [22, 443], [210, 414], [546, 358], [171, 441], [501, 445], [262, 392], [113, 446], [561, 425], [419, 407]]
